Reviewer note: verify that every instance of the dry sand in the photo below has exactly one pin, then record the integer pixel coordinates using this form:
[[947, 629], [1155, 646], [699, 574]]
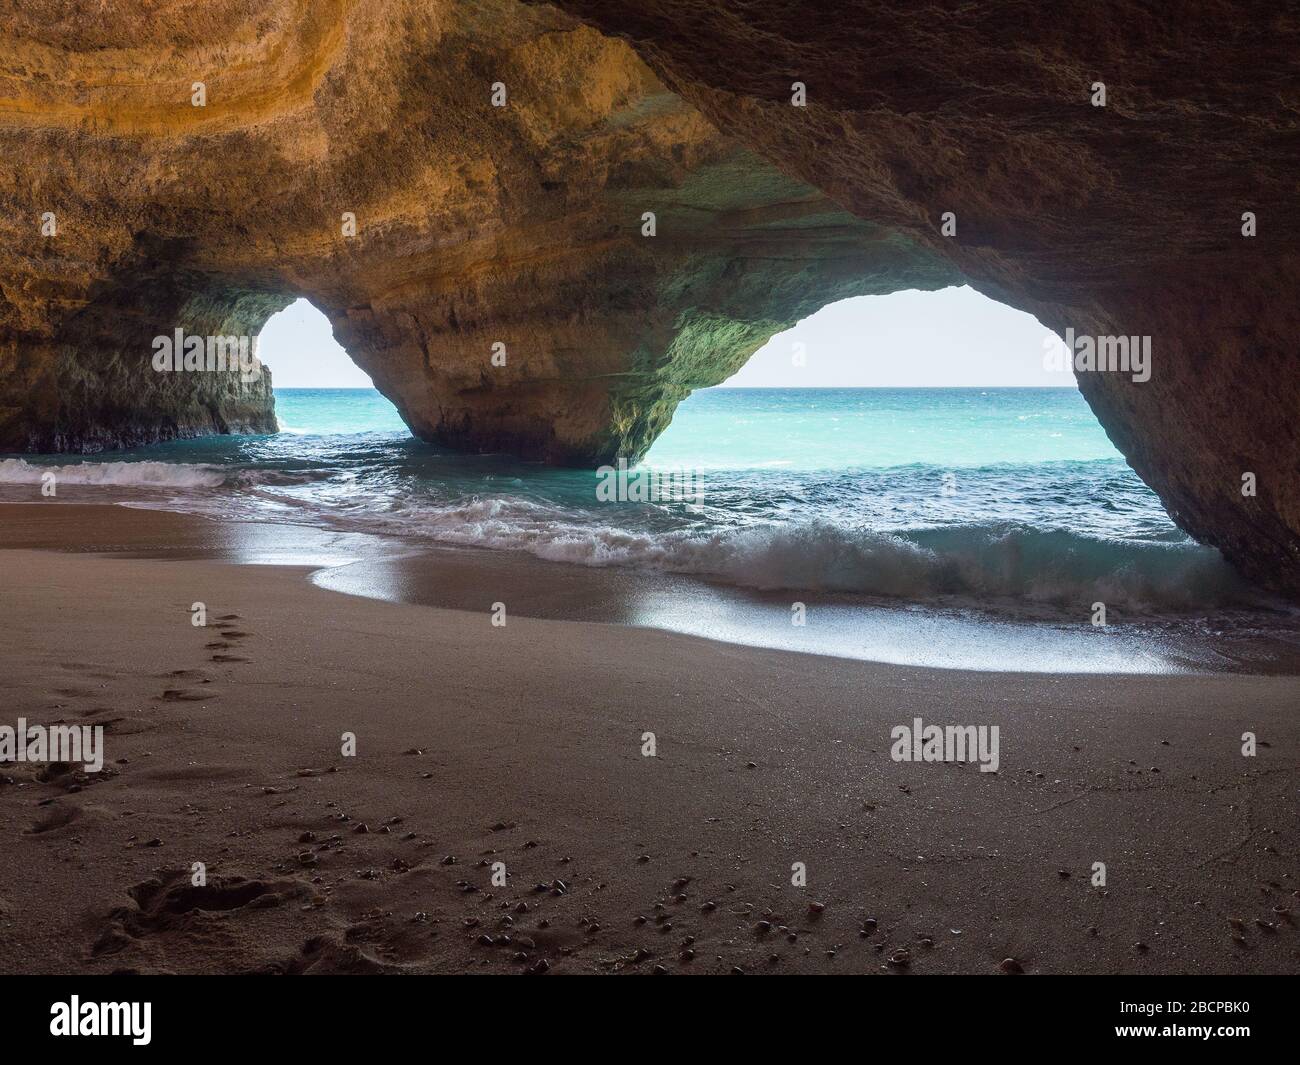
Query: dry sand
[[522, 744]]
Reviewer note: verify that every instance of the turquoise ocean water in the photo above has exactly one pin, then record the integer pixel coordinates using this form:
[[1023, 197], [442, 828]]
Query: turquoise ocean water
[[1011, 495]]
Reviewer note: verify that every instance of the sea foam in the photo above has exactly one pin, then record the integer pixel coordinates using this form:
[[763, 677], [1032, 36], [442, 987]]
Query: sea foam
[[125, 474]]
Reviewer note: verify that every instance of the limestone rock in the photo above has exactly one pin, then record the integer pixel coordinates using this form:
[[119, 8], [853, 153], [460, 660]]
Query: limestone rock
[[476, 225]]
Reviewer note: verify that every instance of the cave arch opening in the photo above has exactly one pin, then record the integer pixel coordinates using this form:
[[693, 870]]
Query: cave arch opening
[[919, 444], [318, 387], [942, 377]]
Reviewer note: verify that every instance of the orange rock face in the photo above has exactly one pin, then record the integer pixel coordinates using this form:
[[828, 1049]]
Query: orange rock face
[[453, 181], [527, 241]]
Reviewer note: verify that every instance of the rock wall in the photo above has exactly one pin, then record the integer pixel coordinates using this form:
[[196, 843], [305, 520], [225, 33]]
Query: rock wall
[[479, 226], [476, 226]]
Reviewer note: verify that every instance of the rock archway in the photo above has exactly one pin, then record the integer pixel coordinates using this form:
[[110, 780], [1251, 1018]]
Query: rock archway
[[176, 170], [357, 158], [1117, 220]]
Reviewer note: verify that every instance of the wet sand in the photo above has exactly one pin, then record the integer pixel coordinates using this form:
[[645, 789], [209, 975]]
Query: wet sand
[[522, 744]]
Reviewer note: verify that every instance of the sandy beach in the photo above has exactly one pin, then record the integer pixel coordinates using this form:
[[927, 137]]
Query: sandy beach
[[523, 744]]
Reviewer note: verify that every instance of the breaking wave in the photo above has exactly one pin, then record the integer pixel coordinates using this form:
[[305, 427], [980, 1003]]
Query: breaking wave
[[146, 474], [124, 474], [1062, 534], [997, 560]]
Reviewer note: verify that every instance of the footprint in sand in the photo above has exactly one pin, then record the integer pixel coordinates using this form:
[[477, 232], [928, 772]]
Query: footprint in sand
[[233, 634], [160, 902], [55, 817], [118, 724], [88, 669], [218, 645], [52, 771], [324, 954], [186, 695], [229, 617], [70, 692], [230, 658], [103, 717]]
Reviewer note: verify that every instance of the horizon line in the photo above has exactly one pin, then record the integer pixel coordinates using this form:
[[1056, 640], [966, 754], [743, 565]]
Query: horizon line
[[736, 388]]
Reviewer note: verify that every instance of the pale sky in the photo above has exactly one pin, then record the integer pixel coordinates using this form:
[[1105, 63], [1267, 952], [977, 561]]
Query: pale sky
[[952, 338], [299, 346]]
